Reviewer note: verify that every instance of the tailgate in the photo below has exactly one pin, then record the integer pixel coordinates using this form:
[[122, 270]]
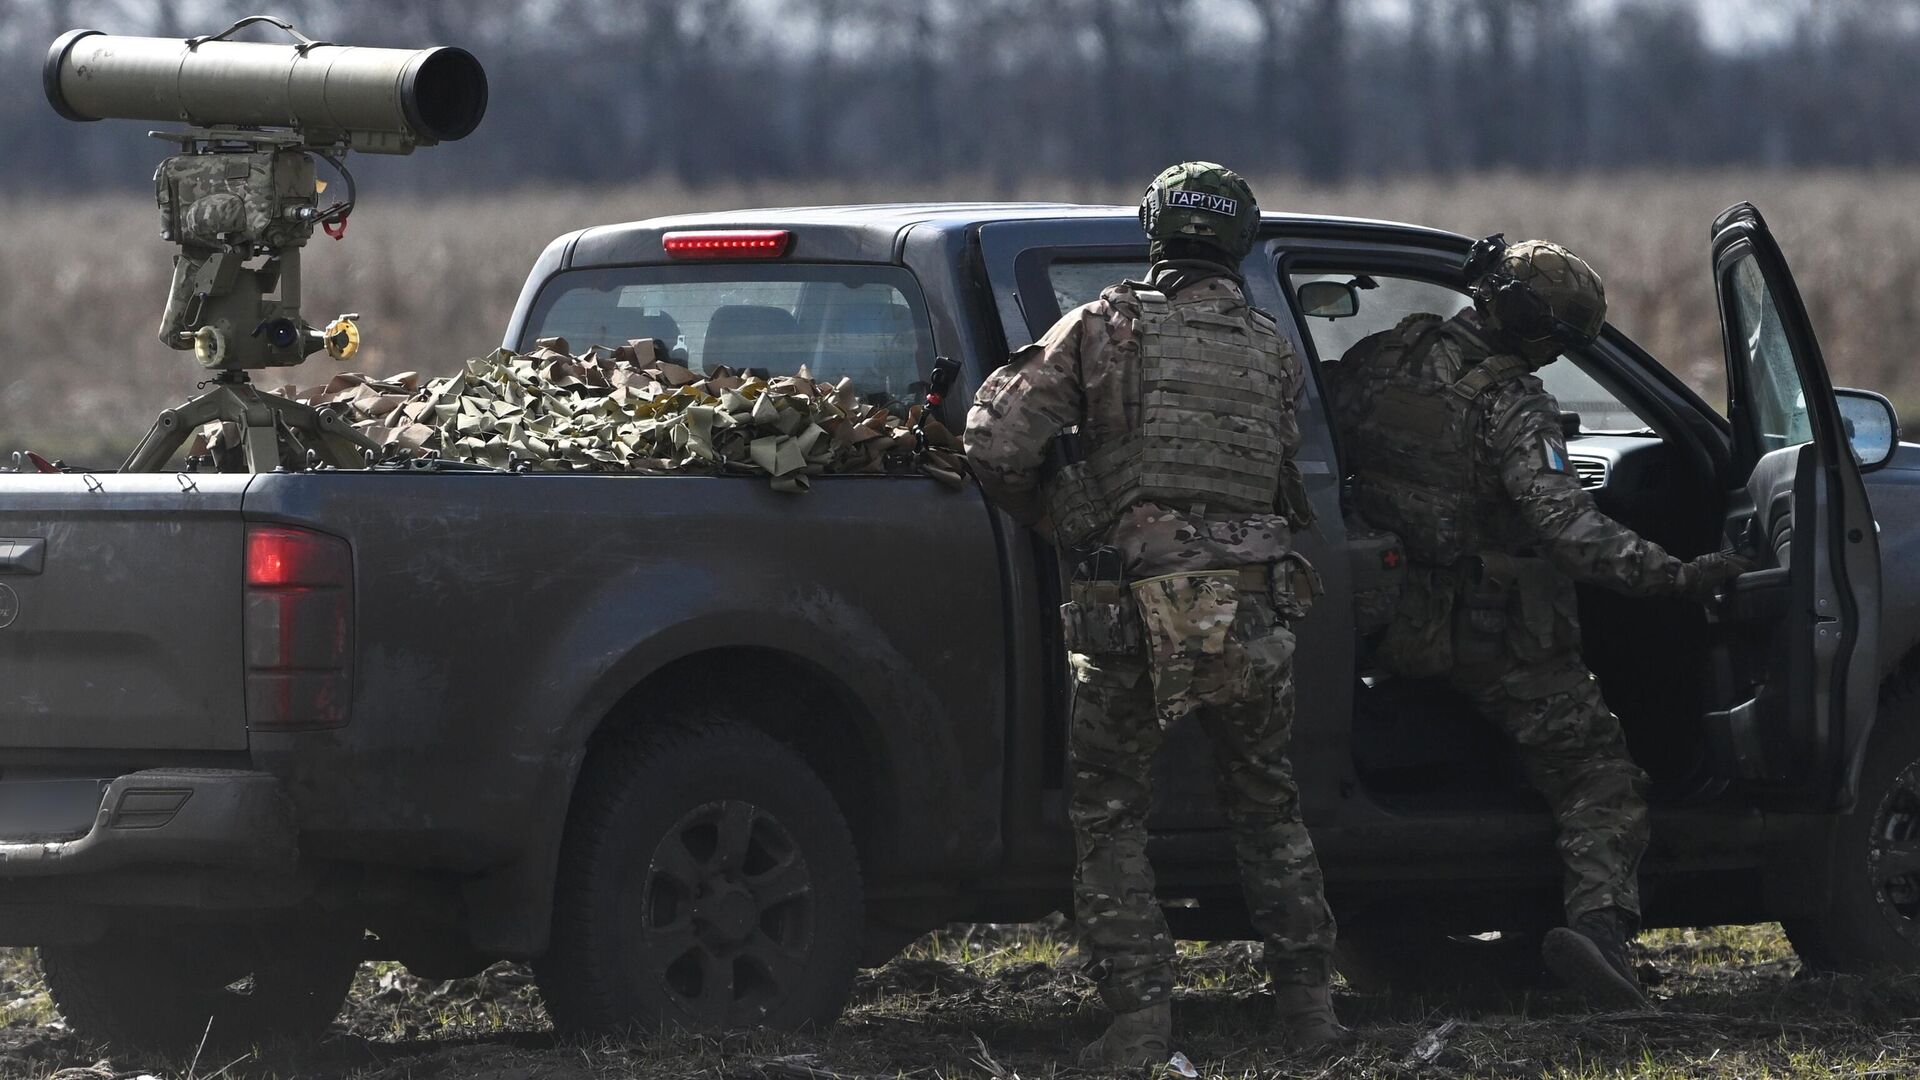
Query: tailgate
[[120, 612]]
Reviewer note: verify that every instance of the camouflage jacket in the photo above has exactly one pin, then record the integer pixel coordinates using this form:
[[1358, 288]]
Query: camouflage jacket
[[1527, 496], [1084, 372]]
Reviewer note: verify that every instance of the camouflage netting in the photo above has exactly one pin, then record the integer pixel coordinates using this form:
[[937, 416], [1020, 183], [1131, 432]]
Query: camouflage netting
[[628, 410]]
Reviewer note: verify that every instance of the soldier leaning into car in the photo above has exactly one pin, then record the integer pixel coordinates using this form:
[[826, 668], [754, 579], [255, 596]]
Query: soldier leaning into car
[[1458, 447], [1184, 399]]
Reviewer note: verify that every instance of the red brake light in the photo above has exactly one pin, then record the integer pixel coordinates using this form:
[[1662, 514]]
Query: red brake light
[[285, 558], [733, 244], [298, 629]]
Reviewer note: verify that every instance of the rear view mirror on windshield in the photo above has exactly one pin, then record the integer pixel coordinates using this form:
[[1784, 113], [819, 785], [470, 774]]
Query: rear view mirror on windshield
[[1873, 428], [1329, 300]]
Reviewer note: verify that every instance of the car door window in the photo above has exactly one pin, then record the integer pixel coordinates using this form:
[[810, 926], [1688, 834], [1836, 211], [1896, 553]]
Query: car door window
[[1386, 300], [1764, 362]]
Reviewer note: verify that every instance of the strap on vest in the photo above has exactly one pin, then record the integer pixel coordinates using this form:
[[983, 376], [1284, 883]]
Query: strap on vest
[[1151, 299], [1417, 346], [1489, 373]]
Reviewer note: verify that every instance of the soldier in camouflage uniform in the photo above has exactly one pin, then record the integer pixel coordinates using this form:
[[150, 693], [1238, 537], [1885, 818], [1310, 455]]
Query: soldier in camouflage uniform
[[1183, 396], [1457, 446]]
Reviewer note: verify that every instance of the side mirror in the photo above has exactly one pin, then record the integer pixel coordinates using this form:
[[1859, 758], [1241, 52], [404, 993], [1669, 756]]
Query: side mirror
[[1873, 428], [1329, 300]]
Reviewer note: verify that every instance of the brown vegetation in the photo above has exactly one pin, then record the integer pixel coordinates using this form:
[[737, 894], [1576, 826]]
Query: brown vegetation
[[1007, 1002], [435, 279]]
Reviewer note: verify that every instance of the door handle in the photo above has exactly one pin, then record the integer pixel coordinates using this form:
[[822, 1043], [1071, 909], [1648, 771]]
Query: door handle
[[22, 556]]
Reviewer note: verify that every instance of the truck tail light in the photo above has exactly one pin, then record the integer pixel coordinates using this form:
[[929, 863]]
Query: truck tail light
[[299, 629], [731, 244]]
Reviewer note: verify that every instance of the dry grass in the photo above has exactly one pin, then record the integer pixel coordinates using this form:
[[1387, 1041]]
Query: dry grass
[[437, 278], [1006, 1002]]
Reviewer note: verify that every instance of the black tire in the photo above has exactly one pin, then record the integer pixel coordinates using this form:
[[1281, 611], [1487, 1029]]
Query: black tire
[[1873, 924], [158, 990], [707, 881]]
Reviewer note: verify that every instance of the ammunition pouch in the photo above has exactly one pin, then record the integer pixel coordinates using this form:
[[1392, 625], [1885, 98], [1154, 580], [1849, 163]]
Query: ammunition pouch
[[1515, 606], [1293, 585], [1543, 615], [1101, 618], [1377, 564], [1075, 506], [1418, 643], [1480, 617]]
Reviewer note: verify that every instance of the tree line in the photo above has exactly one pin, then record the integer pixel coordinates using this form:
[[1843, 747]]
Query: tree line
[[702, 91]]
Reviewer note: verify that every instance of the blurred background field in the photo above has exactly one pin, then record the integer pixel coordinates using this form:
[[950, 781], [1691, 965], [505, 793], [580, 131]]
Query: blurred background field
[[1617, 126], [435, 276]]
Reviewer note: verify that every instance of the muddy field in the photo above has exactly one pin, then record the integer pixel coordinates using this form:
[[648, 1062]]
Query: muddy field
[[1000, 1003]]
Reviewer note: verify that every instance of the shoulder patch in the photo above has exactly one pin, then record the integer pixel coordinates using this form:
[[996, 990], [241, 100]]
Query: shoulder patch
[[1553, 453]]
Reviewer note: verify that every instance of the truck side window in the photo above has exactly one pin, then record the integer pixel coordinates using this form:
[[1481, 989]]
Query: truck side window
[[1390, 299], [862, 323]]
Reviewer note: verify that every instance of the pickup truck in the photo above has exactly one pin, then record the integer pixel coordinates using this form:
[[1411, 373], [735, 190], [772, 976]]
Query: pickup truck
[[698, 749]]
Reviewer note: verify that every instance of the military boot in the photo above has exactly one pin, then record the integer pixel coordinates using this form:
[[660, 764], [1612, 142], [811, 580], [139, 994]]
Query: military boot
[[1591, 957], [1143, 1037], [1303, 1003]]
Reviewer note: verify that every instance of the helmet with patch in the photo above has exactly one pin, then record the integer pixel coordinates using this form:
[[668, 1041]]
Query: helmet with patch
[[1201, 202], [1536, 292]]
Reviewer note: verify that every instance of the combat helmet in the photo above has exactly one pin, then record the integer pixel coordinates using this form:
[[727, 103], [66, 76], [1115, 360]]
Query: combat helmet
[[1536, 294], [1202, 202]]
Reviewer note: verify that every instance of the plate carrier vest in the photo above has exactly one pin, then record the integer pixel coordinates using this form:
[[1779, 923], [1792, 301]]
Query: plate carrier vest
[[1416, 472], [1212, 417]]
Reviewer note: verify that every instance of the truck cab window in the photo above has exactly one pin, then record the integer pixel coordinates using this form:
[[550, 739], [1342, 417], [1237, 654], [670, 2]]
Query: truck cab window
[[861, 323], [1385, 300], [1081, 282]]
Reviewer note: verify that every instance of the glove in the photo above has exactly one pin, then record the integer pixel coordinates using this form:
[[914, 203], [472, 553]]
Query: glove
[[1700, 578]]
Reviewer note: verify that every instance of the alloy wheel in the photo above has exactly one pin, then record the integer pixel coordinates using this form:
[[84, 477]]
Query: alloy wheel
[[726, 914]]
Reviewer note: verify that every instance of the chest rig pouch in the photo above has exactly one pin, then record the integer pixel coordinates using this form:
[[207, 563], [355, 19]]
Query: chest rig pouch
[[1416, 471], [1215, 421], [1072, 496], [1101, 619]]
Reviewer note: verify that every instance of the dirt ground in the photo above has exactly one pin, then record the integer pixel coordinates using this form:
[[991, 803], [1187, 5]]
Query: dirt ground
[[1006, 1002]]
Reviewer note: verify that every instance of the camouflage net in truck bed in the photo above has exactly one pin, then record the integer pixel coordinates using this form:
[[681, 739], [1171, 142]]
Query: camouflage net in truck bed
[[629, 410]]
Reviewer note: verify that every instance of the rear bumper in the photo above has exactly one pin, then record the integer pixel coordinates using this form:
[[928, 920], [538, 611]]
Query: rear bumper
[[221, 818]]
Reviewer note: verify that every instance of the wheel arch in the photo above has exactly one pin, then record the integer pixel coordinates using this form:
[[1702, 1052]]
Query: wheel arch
[[788, 696], [795, 698]]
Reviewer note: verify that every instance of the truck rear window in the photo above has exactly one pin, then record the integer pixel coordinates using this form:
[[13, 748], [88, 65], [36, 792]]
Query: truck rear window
[[867, 323]]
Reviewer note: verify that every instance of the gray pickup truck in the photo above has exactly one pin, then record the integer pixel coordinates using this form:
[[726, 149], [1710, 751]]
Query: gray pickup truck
[[698, 749]]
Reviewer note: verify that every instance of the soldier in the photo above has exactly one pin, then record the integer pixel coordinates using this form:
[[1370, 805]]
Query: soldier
[[1456, 445], [1183, 396]]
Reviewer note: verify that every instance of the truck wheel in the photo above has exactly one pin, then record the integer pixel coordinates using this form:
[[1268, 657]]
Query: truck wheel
[[158, 990], [1873, 923], [707, 881]]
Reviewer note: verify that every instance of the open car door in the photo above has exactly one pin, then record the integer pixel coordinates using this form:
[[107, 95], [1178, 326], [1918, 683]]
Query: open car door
[[1798, 678]]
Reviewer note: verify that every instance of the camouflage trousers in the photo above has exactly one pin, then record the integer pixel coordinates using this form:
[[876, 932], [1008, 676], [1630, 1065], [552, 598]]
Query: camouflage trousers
[[1239, 687], [1575, 754]]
